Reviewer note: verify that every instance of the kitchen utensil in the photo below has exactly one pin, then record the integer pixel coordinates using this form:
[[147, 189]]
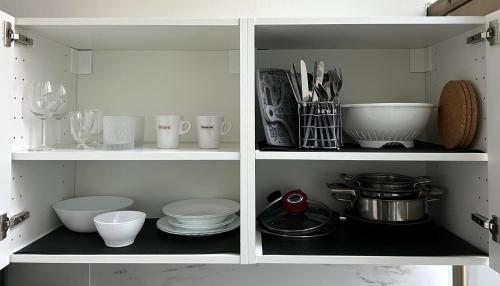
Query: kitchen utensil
[[210, 128], [119, 132], [43, 102], [375, 125], [304, 81], [168, 130], [201, 211], [226, 221], [453, 117], [354, 217], [77, 214], [140, 121], [386, 181], [293, 214], [164, 225], [382, 209], [119, 228], [82, 124], [298, 80], [295, 86]]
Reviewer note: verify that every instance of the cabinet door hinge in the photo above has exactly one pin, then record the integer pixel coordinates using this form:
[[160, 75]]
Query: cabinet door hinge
[[6, 223], [9, 36], [490, 224], [491, 35]]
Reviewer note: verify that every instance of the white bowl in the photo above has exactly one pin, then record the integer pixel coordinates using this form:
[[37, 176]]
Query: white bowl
[[77, 213], [120, 228], [201, 211], [374, 125]]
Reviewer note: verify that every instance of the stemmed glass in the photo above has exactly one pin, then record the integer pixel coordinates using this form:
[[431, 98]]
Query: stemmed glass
[[61, 111], [43, 102], [82, 123]]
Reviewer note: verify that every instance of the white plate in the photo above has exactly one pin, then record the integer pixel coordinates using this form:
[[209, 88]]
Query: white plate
[[163, 225], [201, 211], [176, 223]]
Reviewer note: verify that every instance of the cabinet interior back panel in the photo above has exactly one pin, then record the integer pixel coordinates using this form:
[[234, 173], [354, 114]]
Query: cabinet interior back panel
[[370, 76], [188, 83], [153, 184], [312, 176]]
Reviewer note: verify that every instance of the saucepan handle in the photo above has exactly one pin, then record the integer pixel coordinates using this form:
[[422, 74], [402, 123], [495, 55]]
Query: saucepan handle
[[349, 177], [422, 180], [342, 193]]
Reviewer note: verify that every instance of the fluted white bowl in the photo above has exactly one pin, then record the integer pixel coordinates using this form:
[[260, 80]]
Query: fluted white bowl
[[119, 229], [375, 125]]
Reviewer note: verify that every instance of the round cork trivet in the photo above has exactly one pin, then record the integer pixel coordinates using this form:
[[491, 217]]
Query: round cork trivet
[[452, 114], [468, 122], [474, 115]]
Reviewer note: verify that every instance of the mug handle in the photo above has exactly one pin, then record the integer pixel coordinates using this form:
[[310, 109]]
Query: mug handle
[[225, 125], [184, 131]]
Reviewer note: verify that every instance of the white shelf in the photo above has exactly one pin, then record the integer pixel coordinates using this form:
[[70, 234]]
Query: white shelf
[[135, 259], [373, 260], [186, 151], [137, 33], [362, 259], [360, 32], [371, 156]]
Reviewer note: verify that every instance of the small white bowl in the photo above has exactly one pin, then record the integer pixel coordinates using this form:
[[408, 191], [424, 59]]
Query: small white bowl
[[119, 229], [374, 125], [77, 213]]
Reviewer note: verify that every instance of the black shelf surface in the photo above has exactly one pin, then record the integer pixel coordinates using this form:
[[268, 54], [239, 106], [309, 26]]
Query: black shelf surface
[[419, 147], [355, 239], [149, 241]]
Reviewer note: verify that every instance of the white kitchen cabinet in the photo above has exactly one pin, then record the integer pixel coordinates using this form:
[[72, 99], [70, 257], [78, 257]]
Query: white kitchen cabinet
[[154, 66]]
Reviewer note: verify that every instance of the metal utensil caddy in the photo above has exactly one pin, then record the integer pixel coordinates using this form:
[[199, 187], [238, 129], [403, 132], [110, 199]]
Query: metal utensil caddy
[[320, 125]]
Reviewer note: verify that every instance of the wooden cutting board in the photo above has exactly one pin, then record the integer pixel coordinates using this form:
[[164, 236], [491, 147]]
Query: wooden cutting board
[[452, 114]]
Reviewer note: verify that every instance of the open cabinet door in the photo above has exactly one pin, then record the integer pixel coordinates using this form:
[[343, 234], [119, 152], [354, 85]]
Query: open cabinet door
[[6, 95], [493, 113]]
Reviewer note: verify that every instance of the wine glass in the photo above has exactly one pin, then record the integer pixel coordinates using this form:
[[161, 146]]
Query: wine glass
[[61, 89], [43, 102], [96, 132], [82, 123]]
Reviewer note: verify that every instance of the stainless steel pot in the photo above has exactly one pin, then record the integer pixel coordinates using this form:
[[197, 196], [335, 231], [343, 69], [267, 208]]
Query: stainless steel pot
[[386, 181], [382, 209]]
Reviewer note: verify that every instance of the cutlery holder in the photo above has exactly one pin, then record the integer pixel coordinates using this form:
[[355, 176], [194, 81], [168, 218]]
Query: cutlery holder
[[320, 125]]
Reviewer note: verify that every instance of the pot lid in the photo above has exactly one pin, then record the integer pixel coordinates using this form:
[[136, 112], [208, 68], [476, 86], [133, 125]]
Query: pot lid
[[294, 214]]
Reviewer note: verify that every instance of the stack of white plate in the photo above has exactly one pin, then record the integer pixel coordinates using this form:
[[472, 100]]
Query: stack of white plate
[[200, 217]]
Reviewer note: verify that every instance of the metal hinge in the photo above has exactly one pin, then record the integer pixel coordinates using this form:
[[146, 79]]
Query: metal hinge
[[6, 223], [9, 36], [490, 224], [491, 35]]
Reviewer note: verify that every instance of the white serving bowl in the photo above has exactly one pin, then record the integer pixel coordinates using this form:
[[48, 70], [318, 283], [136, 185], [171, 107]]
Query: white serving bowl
[[119, 228], [77, 214], [374, 125]]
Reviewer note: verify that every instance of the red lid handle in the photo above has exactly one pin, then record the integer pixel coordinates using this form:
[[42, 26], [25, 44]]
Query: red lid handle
[[294, 201]]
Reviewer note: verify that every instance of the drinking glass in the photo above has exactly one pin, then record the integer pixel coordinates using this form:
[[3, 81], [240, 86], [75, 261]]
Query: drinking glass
[[61, 89], [82, 123], [96, 133], [43, 102]]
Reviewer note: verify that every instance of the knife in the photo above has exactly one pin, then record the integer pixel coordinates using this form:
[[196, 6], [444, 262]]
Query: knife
[[304, 81]]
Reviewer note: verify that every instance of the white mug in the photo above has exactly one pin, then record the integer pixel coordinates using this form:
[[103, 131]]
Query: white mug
[[168, 129], [210, 128]]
